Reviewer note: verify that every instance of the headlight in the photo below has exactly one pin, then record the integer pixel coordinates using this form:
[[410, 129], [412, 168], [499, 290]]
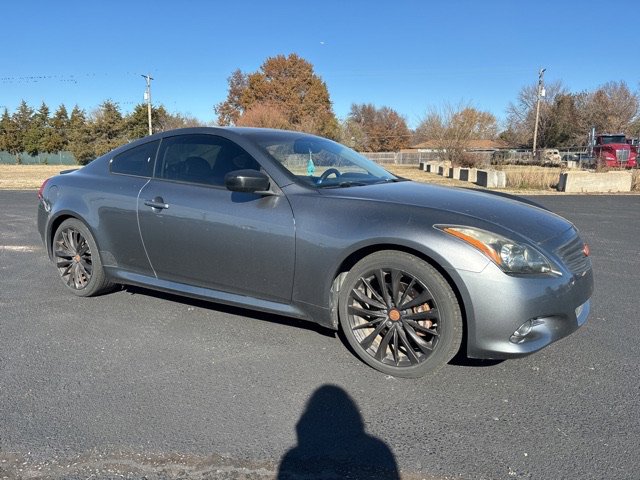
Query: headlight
[[510, 256]]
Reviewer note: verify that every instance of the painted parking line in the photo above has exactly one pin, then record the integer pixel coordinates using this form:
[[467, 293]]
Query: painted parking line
[[20, 248]]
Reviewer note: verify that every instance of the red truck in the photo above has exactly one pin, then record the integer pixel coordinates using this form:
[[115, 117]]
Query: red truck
[[634, 143], [613, 150]]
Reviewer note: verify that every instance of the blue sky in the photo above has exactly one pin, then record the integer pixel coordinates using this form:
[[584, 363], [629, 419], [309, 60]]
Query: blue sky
[[408, 55]]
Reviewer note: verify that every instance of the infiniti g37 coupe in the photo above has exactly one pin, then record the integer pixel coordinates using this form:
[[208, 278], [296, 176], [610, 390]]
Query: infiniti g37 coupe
[[298, 225]]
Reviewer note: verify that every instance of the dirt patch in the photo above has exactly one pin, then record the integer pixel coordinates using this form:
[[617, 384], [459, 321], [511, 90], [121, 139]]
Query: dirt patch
[[105, 465]]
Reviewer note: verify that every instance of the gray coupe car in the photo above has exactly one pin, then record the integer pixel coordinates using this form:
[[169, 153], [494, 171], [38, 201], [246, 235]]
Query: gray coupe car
[[298, 225]]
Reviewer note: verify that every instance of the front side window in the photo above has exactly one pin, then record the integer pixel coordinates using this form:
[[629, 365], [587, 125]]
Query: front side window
[[136, 161], [202, 159]]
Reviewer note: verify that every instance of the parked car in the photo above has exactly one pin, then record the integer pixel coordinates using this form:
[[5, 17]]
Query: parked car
[[298, 225], [549, 156]]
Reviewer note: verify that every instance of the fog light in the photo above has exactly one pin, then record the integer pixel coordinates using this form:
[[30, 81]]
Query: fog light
[[520, 334]]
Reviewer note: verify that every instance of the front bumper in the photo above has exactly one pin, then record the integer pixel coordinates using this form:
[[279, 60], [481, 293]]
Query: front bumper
[[497, 305], [555, 310]]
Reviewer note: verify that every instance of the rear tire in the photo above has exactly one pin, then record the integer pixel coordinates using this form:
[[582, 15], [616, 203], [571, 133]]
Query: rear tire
[[76, 256], [399, 314]]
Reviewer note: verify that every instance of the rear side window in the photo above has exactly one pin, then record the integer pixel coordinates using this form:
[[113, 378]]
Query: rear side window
[[136, 161]]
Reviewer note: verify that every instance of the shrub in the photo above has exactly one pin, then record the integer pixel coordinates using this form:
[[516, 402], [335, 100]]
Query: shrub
[[468, 160]]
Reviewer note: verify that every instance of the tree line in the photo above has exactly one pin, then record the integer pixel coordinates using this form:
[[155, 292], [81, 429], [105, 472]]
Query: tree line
[[86, 136], [286, 93], [567, 117]]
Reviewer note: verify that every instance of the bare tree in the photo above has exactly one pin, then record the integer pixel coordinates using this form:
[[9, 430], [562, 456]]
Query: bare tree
[[521, 114], [371, 129], [611, 108], [451, 127]]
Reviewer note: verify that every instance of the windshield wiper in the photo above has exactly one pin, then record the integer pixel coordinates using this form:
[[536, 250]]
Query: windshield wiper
[[391, 180], [344, 184]]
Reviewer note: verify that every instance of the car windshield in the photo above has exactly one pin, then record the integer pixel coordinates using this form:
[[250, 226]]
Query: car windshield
[[613, 139], [319, 162]]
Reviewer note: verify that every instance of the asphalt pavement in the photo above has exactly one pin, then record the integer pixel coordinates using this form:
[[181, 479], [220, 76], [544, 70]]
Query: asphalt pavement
[[136, 384]]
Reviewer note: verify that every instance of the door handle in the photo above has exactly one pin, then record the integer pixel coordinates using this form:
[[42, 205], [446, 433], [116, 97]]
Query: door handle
[[156, 203]]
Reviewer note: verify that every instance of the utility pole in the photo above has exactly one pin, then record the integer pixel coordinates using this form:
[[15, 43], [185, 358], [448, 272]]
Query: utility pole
[[147, 97], [540, 94]]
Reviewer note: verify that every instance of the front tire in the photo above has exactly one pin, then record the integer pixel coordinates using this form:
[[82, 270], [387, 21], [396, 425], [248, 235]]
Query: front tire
[[76, 257], [399, 314]]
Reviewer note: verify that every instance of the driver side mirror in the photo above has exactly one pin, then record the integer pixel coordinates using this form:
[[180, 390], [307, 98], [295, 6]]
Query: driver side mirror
[[246, 181]]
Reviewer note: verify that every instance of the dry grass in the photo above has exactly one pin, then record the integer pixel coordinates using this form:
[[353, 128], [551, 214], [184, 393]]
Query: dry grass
[[531, 177], [519, 178], [27, 177], [635, 180]]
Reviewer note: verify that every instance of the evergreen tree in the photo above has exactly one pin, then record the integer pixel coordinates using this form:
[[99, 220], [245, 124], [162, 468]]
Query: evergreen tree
[[80, 137], [59, 137], [108, 128], [564, 128], [137, 122], [37, 132], [21, 118], [9, 138]]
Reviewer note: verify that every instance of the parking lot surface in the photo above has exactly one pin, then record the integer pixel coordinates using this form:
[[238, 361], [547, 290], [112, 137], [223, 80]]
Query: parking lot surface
[[140, 384]]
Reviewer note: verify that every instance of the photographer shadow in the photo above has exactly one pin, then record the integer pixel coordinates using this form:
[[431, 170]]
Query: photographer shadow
[[332, 443]]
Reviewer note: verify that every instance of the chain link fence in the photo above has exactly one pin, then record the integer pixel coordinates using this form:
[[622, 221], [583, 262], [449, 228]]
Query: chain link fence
[[484, 157], [401, 158], [60, 158]]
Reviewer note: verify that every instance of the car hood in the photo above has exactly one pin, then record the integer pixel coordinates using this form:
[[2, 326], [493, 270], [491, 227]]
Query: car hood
[[507, 212]]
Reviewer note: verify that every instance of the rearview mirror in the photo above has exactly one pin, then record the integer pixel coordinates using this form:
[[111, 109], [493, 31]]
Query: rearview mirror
[[306, 146], [247, 181]]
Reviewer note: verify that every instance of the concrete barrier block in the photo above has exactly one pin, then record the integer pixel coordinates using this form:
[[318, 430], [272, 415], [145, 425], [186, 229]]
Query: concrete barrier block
[[591, 182], [469, 174], [442, 170], [491, 178], [432, 167], [423, 166], [455, 173]]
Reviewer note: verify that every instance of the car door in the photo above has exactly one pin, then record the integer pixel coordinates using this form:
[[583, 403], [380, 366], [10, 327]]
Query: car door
[[115, 199], [197, 232]]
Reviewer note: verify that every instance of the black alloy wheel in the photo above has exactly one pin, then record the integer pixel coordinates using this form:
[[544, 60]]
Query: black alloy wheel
[[76, 258], [399, 314]]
